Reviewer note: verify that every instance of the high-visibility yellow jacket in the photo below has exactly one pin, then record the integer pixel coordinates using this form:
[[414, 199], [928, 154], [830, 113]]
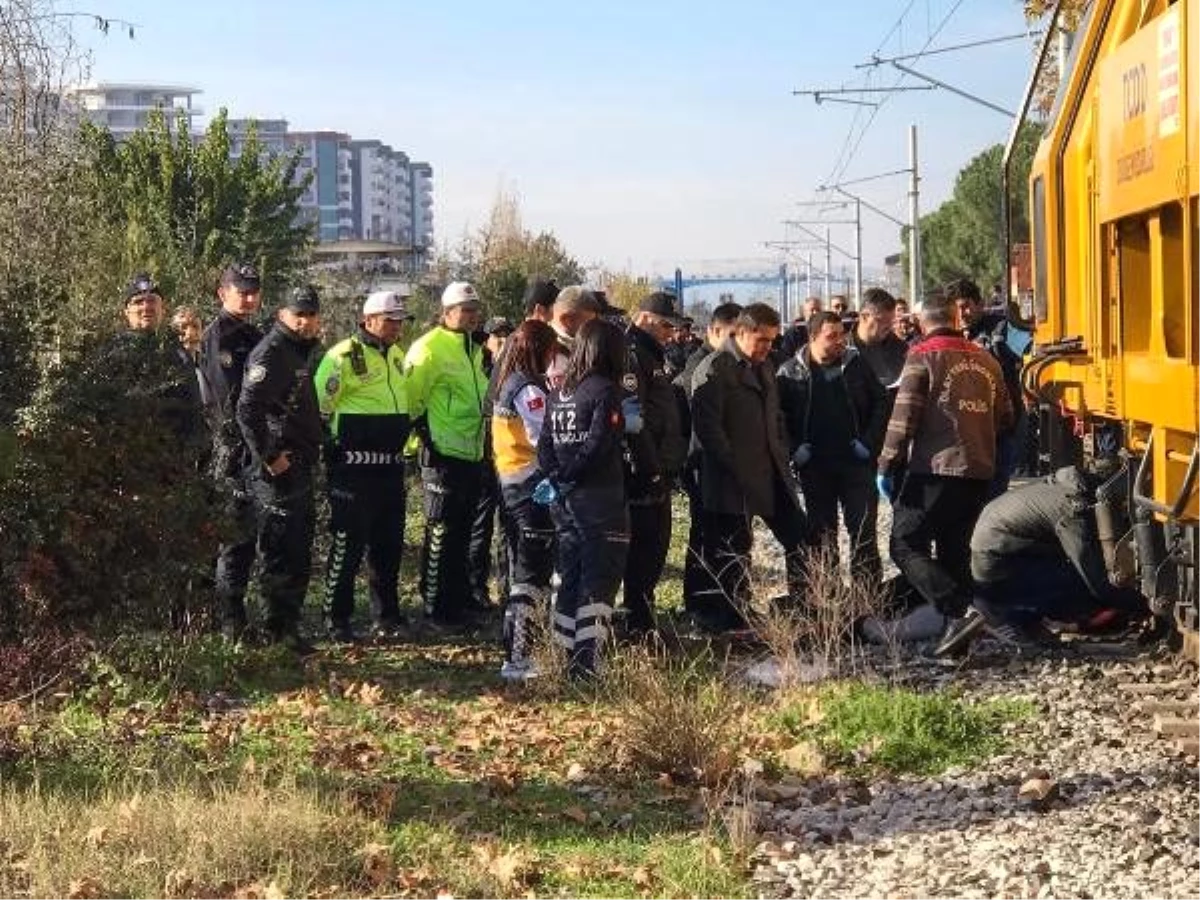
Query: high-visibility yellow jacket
[[447, 387], [362, 389]]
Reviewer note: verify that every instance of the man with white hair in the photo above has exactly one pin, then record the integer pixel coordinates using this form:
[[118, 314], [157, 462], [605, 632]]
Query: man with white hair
[[361, 389], [447, 392], [574, 306]]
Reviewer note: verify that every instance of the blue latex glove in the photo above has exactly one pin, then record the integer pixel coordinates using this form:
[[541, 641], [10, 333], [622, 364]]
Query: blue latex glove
[[860, 451], [631, 411], [545, 493], [802, 455], [886, 485]]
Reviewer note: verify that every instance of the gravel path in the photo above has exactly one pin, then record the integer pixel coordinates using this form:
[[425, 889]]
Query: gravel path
[[1121, 818]]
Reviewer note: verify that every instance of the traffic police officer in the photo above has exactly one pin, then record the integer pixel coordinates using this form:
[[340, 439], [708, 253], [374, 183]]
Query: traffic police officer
[[656, 454], [281, 424], [447, 390], [224, 348], [361, 391]]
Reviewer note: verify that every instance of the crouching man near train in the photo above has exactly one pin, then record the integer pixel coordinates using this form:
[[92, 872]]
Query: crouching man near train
[[1050, 550]]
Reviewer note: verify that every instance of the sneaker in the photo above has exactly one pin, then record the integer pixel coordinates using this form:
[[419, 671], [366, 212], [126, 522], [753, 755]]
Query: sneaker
[[959, 634], [518, 671], [1023, 639]]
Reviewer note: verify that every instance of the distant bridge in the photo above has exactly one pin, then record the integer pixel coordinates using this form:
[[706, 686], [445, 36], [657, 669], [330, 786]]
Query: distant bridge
[[771, 279]]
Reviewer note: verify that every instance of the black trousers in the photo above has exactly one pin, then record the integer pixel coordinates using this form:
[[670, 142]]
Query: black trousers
[[701, 590], [593, 542], [483, 528], [1040, 586], [649, 540], [852, 487], [367, 509], [451, 496], [530, 537], [935, 510], [275, 518], [728, 539]]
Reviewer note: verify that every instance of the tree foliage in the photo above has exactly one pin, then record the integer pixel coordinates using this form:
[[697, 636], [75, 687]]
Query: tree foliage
[[101, 508], [182, 208], [1070, 16], [503, 257], [964, 237]]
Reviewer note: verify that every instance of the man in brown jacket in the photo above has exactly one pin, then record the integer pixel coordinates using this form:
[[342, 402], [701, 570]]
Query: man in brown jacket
[[939, 454]]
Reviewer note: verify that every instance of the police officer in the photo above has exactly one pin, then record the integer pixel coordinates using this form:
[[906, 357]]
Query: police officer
[[656, 454], [224, 348], [447, 390], [281, 424], [144, 361], [361, 391]]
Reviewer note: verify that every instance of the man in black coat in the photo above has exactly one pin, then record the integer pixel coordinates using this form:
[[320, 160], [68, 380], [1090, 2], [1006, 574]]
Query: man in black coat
[[836, 412], [281, 423], [656, 457], [224, 349], [1038, 552], [745, 471], [701, 592]]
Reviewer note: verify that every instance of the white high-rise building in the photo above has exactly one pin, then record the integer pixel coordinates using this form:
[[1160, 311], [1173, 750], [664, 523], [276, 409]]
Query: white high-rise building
[[380, 192], [124, 108], [422, 206]]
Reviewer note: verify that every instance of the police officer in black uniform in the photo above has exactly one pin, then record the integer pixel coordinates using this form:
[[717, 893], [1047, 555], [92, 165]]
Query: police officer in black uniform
[[281, 423], [224, 348], [656, 455]]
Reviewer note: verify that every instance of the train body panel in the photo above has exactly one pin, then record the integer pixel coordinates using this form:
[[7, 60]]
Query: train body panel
[[1116, 237]]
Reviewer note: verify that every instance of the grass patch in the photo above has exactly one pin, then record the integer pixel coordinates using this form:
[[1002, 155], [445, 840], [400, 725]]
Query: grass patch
[[183, 841], [898, 730]]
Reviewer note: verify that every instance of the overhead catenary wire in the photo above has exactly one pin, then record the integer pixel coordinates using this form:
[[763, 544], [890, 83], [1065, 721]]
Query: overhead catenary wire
[[843, 164]]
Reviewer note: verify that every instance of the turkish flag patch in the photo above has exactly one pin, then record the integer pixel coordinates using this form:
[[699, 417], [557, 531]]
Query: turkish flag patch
[[535, 403]]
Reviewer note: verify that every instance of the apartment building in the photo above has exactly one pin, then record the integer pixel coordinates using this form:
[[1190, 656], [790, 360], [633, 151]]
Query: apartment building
[[422, 205], [125, 107]]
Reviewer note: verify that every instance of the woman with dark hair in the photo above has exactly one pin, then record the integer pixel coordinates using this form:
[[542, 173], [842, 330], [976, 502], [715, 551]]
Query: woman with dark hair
[[517, 416], [580, 456]]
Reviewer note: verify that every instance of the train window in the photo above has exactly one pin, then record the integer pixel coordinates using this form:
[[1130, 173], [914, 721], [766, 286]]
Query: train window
[[1133, 262], [1174, 300], [1040, 300]]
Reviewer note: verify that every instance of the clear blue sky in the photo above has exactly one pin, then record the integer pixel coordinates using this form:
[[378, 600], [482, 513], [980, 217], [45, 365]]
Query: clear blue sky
[[644, 134]]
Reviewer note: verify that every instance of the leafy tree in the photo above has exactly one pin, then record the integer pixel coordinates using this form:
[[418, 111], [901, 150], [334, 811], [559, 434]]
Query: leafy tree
[[182, 208], [503, 257], [104, 516], [1070, 15], [964, 237]]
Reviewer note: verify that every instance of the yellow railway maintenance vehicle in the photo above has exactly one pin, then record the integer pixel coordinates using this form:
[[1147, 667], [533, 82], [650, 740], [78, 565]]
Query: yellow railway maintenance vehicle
[[1115, 233]]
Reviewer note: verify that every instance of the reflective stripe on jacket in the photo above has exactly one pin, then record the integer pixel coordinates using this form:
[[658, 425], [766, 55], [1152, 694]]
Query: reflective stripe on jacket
[[361, 388]]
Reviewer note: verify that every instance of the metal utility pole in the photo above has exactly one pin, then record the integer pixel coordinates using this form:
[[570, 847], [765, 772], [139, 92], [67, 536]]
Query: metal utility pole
[[808, 288], [828, 264], [858, 284], [914, 219]]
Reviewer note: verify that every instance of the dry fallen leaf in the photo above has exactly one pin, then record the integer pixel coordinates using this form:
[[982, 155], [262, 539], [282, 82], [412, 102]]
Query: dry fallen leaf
[[84, 888], [378, 864], [803, 758]]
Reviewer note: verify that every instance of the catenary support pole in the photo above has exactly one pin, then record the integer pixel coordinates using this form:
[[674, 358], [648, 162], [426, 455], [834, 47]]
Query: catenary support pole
[[914, 220]]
